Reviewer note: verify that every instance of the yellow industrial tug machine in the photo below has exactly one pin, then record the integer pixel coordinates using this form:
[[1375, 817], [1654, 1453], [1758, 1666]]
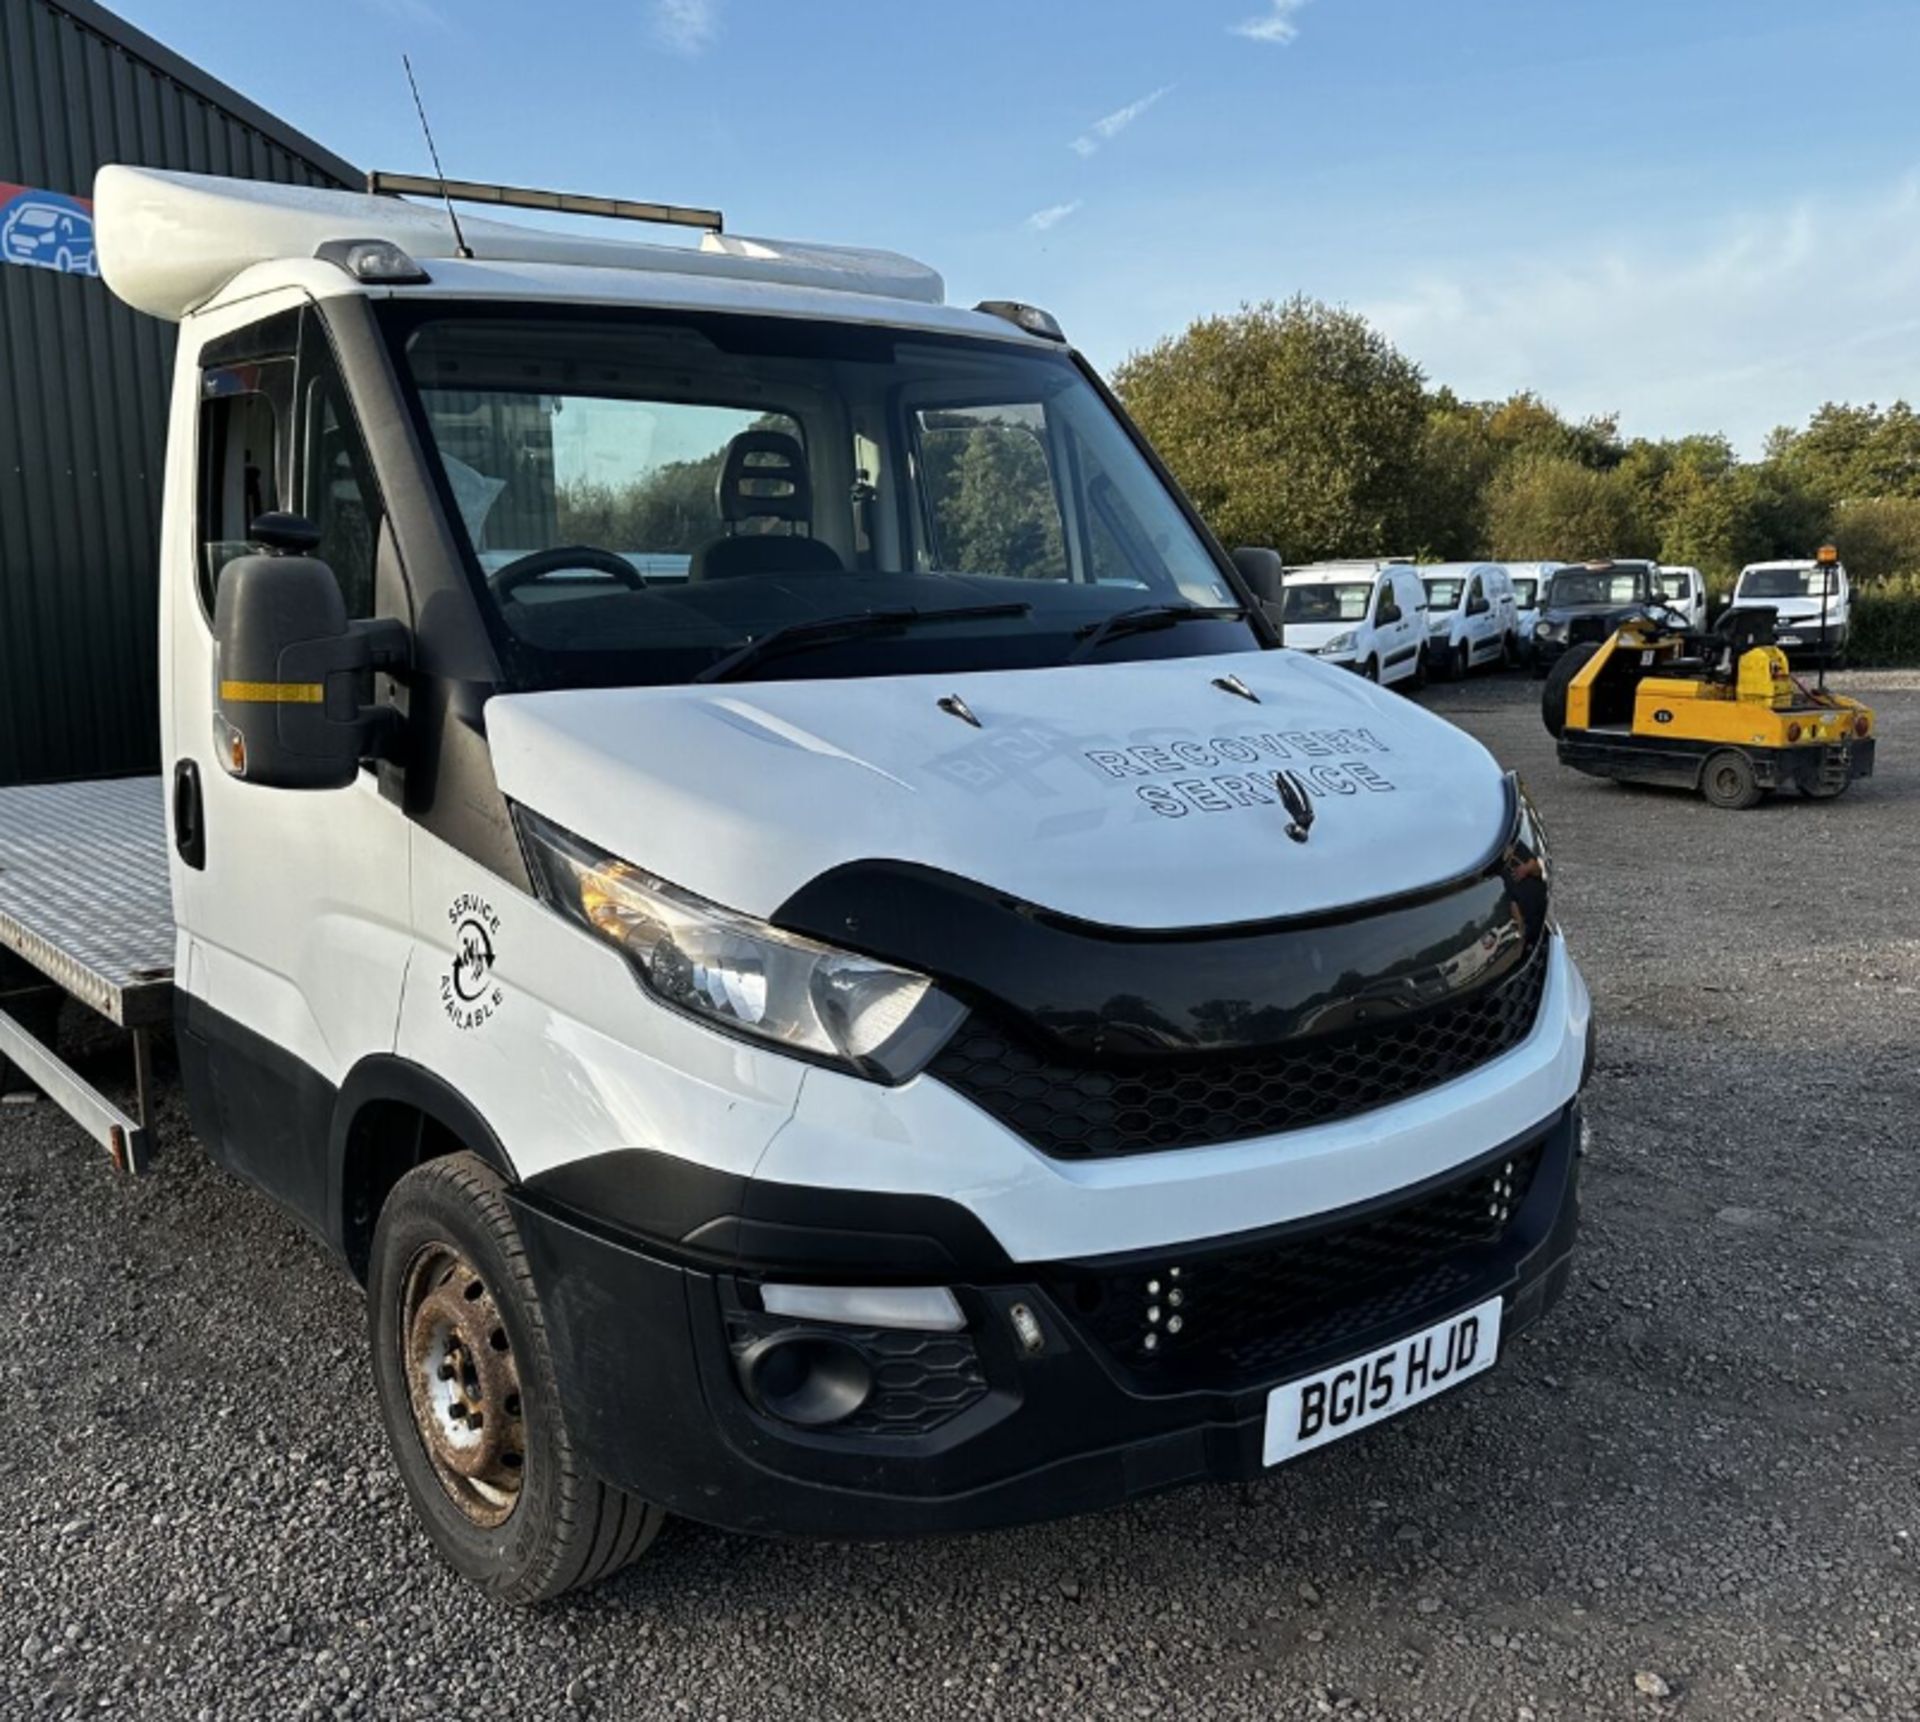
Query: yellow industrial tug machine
[[1719, 711]]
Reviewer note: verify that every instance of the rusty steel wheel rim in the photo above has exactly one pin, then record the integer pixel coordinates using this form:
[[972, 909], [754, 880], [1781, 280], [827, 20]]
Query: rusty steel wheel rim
[[463, 1384]]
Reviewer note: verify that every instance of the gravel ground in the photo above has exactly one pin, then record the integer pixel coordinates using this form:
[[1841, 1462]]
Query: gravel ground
[[1693, 1491]]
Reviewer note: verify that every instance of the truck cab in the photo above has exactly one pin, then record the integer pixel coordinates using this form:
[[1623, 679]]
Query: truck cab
[[744, 859]]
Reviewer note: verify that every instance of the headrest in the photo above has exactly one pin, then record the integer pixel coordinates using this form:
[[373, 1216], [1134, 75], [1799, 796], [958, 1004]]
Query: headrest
[[765, 477]]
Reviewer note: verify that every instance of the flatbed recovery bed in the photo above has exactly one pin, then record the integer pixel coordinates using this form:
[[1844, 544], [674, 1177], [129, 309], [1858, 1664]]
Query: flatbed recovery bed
[[85, 903]]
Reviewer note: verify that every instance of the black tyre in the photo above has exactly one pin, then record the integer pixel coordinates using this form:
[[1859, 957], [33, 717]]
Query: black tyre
[[1553, 697], [1371, 669], [1462, 663], [1727, 780], [469, 1399]]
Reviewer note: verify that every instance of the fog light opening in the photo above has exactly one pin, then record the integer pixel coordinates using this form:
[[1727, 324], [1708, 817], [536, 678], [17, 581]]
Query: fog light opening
[[807, 1379]]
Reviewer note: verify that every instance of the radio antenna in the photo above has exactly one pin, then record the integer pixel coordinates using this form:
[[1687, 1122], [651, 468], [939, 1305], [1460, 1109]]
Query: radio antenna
[[460, 246]]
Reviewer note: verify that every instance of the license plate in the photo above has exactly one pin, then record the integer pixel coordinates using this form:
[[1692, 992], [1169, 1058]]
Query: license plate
[[1354, 1395]]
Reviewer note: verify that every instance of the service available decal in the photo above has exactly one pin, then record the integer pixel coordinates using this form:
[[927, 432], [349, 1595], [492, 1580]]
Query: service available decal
[[1323, 762], [46, 230], [468, 992]]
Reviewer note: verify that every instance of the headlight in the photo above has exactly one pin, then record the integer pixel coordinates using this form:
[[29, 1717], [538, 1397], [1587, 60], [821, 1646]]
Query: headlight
[[1543, 630], [1339, 643], [740, 974]]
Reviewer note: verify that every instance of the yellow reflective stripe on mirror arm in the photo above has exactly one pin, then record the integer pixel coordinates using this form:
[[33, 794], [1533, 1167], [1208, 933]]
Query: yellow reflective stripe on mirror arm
[[273, 693]]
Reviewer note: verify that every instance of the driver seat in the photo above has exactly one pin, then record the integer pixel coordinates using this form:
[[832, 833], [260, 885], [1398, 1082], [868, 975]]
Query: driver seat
[[764, 477]]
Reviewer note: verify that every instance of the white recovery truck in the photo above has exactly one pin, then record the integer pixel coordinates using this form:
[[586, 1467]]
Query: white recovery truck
[[732, 845]]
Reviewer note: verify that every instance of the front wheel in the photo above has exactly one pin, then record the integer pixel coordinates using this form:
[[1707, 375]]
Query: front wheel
[[1462, 663], [1728, 780], [1371, 670], [469, 1399], [1553, 697]]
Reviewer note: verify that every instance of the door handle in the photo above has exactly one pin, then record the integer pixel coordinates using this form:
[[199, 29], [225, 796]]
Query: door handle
[[189, 816]]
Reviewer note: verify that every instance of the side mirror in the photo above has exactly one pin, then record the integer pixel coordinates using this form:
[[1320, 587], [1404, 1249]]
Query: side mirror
[[1263, 572], [293, 677]]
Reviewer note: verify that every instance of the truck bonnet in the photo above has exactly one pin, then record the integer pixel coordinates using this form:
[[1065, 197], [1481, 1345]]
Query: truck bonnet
[[1137, 795]]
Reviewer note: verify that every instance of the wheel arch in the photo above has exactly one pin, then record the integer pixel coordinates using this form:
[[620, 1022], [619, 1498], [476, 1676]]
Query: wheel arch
[[391, 1116]]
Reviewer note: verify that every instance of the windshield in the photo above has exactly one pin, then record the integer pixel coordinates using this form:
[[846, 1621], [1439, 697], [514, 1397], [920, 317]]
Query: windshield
[[1443, 594], [1525, 589], [1785, 583], [1327, 601], [1595, 586], [643, 495]]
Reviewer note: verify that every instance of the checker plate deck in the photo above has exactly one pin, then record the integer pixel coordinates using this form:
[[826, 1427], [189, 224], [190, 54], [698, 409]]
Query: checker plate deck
[[84, 894]]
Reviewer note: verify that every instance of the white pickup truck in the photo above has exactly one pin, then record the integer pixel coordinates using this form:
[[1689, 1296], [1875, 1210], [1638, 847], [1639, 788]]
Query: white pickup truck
[[735, 848]]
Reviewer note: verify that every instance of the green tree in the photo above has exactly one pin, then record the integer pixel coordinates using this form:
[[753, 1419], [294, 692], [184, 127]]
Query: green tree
[[1879, 537], [1293, 425], [1550, 505], [1849, 454], [990, 492], [1459, 456]]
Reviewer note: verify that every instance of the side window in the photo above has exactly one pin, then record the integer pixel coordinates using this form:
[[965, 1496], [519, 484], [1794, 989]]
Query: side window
[[335, 488], [243, 443], [1389, 607], [991, 506], [276, 433]]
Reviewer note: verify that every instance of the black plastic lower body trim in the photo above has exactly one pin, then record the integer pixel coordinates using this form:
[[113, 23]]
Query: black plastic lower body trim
[[653, 1396]]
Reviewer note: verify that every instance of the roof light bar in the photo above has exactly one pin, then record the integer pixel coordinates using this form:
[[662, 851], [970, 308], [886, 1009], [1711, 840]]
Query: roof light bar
[[559, 202]]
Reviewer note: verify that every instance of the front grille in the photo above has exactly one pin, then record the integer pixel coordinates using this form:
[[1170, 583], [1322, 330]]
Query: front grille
[[1089, 1111], [1248, 1313]]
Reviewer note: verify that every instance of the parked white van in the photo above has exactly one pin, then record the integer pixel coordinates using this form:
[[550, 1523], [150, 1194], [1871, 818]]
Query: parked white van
[[1365, 616], [1683, 590], [1471, 616], [1813, 600], [1529, 581]]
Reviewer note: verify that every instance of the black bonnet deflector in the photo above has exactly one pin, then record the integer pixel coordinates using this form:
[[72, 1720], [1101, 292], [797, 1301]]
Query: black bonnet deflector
[[1097, 991]]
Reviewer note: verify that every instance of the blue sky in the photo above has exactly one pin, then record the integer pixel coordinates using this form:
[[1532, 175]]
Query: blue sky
[[1699, 214]]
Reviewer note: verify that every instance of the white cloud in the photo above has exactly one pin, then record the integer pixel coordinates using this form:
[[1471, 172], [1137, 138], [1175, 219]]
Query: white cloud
[[1110, 126], [1275, 26], [686, 26], [1752, 325], [1055, 213]]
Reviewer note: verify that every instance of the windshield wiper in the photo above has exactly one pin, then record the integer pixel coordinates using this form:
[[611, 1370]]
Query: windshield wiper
[[830, 630], [1144, 617]]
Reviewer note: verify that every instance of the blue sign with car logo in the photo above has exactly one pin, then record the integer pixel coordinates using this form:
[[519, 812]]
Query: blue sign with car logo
[[46, 230]]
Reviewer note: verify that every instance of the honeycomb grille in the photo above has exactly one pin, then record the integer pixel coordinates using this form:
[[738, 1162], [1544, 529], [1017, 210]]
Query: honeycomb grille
[[921, 1380], [1087, 1111], [1249, 1313]]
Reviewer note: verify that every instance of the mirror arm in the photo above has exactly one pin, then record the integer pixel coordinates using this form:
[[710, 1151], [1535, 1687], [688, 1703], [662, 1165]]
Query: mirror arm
[[389, 645]]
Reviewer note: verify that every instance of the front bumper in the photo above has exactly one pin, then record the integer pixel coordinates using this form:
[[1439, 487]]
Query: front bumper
[[1809, 639], [979, 1430]]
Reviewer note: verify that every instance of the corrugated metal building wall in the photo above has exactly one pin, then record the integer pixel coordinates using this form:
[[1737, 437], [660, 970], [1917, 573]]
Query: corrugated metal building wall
[[84, 380]]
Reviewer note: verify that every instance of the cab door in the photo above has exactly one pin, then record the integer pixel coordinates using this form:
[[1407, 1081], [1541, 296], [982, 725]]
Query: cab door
[[1393, 640], [1478, 620], [293, 905]]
